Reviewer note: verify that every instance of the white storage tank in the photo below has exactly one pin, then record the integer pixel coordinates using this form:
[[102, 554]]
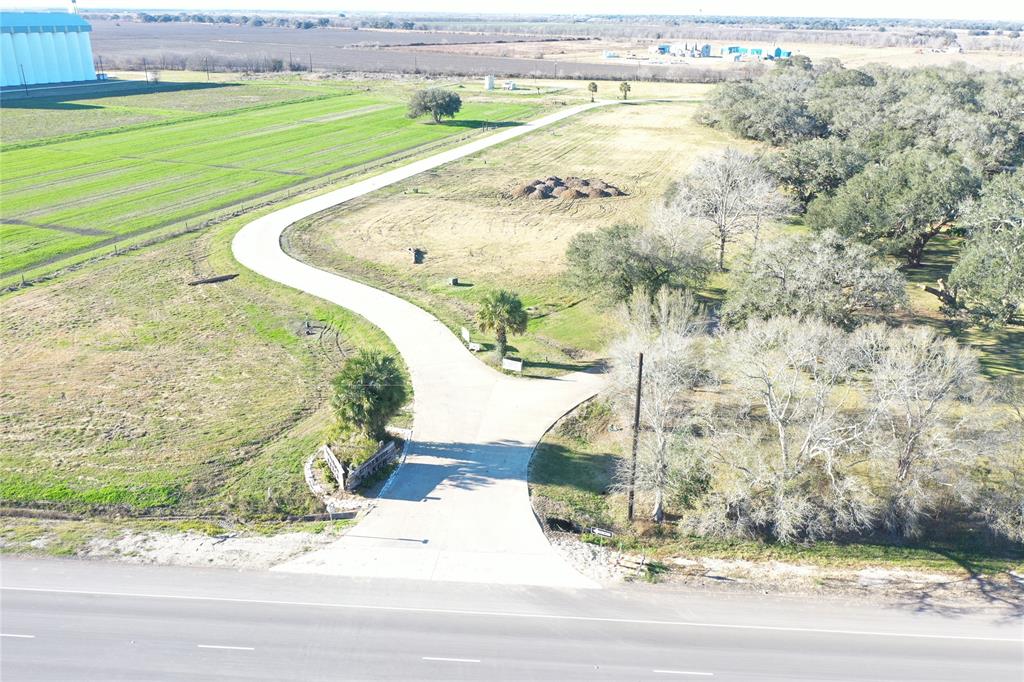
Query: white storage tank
[[44, 47]]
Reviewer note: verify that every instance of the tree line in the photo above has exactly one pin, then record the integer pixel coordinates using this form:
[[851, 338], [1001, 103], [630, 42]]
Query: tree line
[[304, 23], [893, 158], [798, 406], [793, 429]]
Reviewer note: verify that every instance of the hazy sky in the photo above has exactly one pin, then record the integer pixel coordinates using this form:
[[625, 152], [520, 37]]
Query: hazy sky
[[943, 9]]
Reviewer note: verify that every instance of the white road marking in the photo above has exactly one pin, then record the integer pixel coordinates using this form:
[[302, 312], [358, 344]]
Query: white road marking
[[683, 672], [219, 646], [513, 614], [5, 634], [452, 660]]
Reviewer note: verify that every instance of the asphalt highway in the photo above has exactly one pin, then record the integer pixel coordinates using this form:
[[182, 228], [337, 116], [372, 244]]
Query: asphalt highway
[[69, 620]]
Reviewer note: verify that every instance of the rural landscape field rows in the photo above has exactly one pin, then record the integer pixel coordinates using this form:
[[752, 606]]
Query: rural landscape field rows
[[62, 196], [164, 401], [505, 345]]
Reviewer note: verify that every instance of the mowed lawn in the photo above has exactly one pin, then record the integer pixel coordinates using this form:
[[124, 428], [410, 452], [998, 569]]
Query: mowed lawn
[[465, 219], [186, 155]]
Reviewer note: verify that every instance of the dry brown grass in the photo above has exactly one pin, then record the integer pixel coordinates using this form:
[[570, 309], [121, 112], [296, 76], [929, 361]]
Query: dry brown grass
[[464, 218]]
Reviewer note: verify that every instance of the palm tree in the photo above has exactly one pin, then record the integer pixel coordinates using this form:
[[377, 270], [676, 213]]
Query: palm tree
[[592, 86], [502, 312], [369, 391], [624, 87]]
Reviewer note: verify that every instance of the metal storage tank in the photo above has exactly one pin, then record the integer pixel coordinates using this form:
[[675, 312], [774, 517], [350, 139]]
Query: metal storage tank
[[49, 53], [8, 60], [85, 56], [74, 56], [44, 47], [23, 60], [60, 44], [35, 51]]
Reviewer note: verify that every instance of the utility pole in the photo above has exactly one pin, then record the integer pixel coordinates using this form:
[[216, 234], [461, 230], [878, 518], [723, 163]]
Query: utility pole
[[311, 62], [145, 67], [636, 437], [24, 81]]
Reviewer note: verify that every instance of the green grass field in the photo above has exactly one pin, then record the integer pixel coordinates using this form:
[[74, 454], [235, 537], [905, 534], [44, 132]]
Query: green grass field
[[142, 162], [124, 390]]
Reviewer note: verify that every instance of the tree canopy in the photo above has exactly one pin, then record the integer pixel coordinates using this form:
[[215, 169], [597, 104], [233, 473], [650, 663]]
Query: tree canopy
[[622, 259], [437, 102], [727, 194], [502, 312], [826, 276], [369, 390], [897, 204], [987, 282]]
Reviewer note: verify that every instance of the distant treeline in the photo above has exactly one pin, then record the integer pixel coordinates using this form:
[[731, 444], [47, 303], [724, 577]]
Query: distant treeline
[[457, 67], [659, 20], [881, 36], [627, 24], [918, 33], [305, 22]]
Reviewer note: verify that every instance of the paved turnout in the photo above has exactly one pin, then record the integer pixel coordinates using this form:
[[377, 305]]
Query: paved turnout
[[74, 620], [458, 509]]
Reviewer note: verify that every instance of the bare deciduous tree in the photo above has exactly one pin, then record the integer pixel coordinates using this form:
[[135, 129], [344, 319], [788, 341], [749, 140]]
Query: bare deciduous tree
[[924, 428], [784, 465], [727, 195], [826, 276], [669, 334], [1002, 500]]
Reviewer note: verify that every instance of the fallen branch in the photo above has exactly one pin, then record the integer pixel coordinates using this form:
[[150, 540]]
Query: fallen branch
[[213, 280]]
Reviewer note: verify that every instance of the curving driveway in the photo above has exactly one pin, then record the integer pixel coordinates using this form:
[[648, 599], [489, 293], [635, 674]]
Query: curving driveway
[[458, 508]]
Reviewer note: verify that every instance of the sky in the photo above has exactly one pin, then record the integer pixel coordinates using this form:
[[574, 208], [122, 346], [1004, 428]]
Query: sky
[[1007, 10]]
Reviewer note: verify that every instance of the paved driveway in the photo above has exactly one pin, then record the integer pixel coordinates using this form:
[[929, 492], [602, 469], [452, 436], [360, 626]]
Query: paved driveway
[[458, 509]]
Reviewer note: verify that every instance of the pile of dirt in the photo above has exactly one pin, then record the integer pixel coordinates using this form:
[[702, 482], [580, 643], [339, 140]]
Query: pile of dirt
[[572, 187]]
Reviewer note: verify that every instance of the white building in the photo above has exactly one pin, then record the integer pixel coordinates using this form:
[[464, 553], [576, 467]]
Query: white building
[[488, 82], [44, 47]]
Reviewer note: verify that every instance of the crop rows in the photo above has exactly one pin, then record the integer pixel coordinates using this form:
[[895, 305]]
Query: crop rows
[[137, 180]]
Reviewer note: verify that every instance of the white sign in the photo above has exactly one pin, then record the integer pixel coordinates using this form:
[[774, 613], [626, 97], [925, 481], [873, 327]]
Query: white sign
[[465, 335], [512, 364]]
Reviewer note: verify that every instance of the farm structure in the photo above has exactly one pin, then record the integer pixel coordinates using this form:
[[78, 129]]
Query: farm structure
[[44, 48], [737, 53]]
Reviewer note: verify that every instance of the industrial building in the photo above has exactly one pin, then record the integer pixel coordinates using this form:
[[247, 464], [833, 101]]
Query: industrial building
[[44, 47]]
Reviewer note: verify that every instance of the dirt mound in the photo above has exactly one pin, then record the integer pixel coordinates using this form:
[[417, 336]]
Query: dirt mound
[[522, 191], [572, 187]]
